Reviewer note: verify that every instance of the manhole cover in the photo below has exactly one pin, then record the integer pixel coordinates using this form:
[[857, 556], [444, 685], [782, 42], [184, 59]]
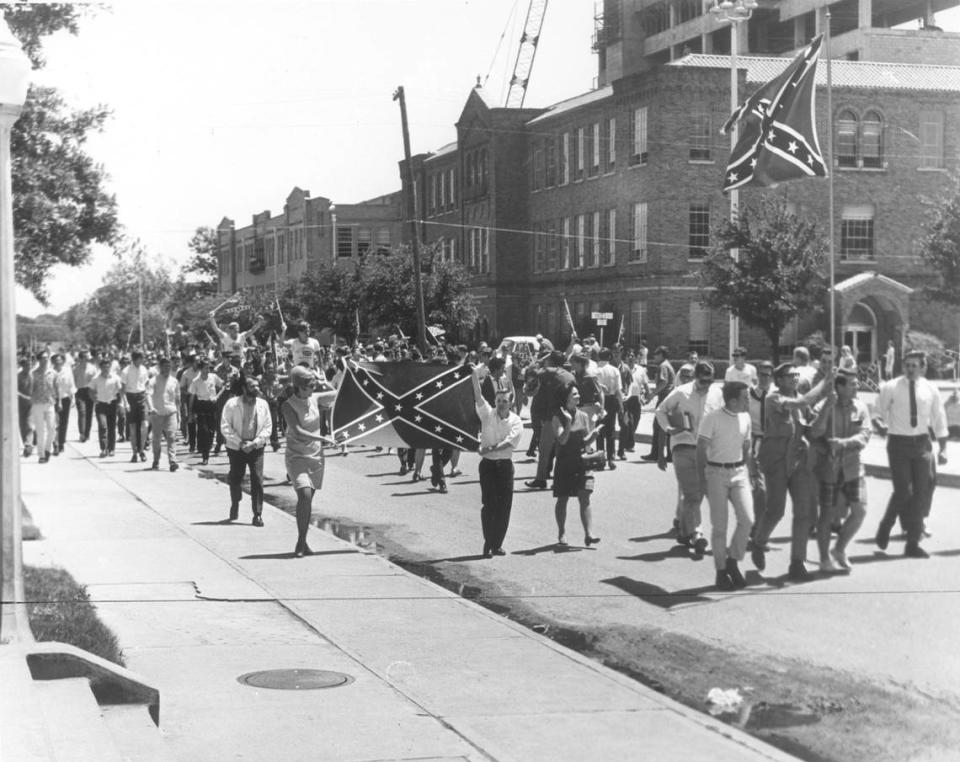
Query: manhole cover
[[295, 679]]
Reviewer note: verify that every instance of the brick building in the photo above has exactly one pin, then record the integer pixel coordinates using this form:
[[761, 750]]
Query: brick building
[[608, 199], [272, 250]]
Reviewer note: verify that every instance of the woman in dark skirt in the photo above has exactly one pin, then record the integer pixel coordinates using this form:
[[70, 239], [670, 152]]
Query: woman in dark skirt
[[571, 479]]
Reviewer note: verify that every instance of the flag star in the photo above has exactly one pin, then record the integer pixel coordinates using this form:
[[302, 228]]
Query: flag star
[[418, 418], [733, 177], [810, 159], [753, 162], [419, 395], [459, 439], [456, 375], [366, 382], [399, 408], [793, 147], [379, 419], [438, 429], [362, 427], [379, 395], [439, 384]]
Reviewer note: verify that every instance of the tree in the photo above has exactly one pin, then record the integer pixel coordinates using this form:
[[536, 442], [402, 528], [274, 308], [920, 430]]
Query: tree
[[202, 269], [779, 273], [940, 247], [60, 206]]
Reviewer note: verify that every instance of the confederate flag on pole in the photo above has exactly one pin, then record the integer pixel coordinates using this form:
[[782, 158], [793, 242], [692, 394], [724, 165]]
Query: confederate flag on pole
[[778, 136], [406, 404]]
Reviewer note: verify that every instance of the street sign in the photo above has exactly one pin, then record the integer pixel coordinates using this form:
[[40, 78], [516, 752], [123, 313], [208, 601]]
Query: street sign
[[601, 316], [601, 321]]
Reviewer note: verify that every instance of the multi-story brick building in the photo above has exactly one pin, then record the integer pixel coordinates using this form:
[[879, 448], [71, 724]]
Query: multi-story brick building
[[608, 199], [272, 250]]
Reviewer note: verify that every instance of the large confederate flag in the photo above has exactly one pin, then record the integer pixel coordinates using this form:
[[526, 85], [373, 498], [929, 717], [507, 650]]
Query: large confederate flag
[[406, 404]]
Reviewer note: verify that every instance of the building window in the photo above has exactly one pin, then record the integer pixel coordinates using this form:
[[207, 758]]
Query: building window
[[639, 150], [553, 246], [383, 241], [581, 151], [432, 196], [595, 150], [452, 188], [567, 242], [364, 241], [536, 167], [699, 329], [539, 248], [856, 232], [699, 230], [638, 320], [281, 248], [872, 143], [550, 163], [593, 234], [611, 144], [344, 242], [270, 252], [700, 137], [565, 159], [580, 316], [578, 257], [847, 139], [611, 237], [479, 251], [441, 191], [638, 248], [931, 140]]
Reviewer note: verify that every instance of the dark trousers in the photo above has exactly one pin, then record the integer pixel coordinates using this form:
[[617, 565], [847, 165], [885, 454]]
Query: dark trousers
[[221, 401], [137, 402], [205, 412], [496, 493], [547, 450], [628, 423], [661, 440], [440, 456], [911, 470], [239, 462], [26, 427], [611, 408], [536, 424], [84, 399], [275, 416], [107, 425], [63, 418], [187, 427]]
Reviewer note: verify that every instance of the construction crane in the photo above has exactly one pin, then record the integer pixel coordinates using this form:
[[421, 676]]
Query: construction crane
[[526, 53]]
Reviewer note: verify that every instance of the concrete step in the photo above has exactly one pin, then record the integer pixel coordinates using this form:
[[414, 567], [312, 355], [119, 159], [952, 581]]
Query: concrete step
[[74, 722], [134, 733]]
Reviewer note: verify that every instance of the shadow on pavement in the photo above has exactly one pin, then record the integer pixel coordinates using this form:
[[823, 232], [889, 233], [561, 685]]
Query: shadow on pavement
[[220, 523], [658, 596], [675, 551], [456, 559], [267, 556], [669, 534]]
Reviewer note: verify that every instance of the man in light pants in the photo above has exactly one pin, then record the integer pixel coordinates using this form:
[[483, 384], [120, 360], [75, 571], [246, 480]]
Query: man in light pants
[[44, 404], [724, 452], [163, 409]]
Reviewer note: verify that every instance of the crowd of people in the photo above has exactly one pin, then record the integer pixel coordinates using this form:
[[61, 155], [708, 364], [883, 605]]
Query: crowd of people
[[764, 434]]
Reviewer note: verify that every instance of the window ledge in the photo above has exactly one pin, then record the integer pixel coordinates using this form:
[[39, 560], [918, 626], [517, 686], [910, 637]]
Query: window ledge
[[701, 161], [932, 169]]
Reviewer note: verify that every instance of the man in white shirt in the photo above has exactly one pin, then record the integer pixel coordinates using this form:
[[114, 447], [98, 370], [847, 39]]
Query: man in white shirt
[[233, 339], [500, 431], [637, 389], [741, 370], [908, 409], [163, 408], [611, 384], [67, 388], [204, 392], [245, 425], [724, 452], [808, 373], [105, 394], [134, 381], [303, 349], [679, 416], [889, 359], [84, 370]]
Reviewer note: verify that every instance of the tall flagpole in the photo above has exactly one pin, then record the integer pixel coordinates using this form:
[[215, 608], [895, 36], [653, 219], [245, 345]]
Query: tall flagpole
[[830, 169]]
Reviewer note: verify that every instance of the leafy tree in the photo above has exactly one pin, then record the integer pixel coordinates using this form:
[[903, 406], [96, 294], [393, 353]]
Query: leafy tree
[[60, 206], [779, 273], [941, 246], [202, 269]]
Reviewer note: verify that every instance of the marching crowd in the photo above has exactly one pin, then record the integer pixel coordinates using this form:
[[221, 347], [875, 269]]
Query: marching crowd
[[763, 434]]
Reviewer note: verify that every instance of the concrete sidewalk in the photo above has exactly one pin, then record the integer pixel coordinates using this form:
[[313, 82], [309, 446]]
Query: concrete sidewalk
[[197, 603]]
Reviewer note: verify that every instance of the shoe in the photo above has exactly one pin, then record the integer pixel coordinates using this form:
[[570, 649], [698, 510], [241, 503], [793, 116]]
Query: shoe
[[650, 458], [723, 582], [676, 527], [611, 465], [535, 484], [155, 466], [192, 449], [499, 552], [27, 451], [103, 453], [487, 552], [234, 512], [456, 472], [798, 572], [621, 456], [174, 467], [883, 537], [827, 566], [143, 457], [628, 449], [216, 450], [44, 458], [257, 520], [913, 550], [298, 552], [926, 531], [110, 453], [402, 471], [699, 547], [275, 446], [57, 451], [733, 572], [443, 488], [759, 558], [840, 557], [561, 543], [416, 477], [588, 540], [205, 462], [531, 454], [134, 458]]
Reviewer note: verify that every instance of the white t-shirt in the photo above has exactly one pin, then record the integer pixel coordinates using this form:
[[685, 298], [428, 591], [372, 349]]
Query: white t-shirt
[[304, 352], [726, 432], [748, 375]]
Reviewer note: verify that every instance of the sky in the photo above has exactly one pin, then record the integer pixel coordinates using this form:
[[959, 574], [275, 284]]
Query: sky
[[221, 107]]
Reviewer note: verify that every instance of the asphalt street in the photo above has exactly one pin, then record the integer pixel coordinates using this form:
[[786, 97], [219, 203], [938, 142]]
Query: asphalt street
[[891, 621]]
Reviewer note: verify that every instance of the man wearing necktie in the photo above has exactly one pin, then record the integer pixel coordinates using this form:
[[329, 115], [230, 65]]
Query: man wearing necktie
[[908, 409]]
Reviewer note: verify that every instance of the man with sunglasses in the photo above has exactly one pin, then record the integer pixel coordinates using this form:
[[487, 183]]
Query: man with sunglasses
[[679, 415], [741, 370], [783, 459]]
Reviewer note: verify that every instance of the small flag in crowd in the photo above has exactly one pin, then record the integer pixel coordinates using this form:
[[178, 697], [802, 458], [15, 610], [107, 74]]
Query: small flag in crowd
[[406, 404], [778, 137], [568, 316]]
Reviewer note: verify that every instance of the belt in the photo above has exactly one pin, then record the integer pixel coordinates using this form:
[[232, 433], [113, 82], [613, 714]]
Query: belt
[[681, 446], [726, 465], [910, 438]]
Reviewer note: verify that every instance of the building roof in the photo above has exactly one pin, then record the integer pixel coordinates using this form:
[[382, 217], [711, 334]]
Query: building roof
[[863, 74], [575, 102], [865, 277], [442, 151]]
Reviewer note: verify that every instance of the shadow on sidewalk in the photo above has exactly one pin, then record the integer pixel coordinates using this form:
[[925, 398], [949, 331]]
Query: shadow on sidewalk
[[658, 596], [551, 548], [268, 556]]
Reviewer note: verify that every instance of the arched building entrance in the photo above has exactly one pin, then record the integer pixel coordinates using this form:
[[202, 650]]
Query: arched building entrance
[[872, 309]]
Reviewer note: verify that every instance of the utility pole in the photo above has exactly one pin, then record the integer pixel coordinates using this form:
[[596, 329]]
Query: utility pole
[[414, 224]]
